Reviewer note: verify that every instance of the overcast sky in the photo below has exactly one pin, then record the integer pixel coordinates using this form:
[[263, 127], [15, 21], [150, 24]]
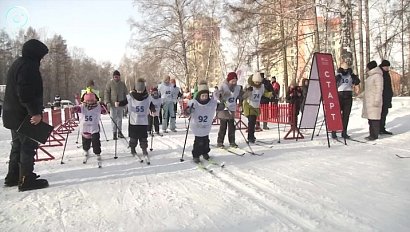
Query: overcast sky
[[98, 26]]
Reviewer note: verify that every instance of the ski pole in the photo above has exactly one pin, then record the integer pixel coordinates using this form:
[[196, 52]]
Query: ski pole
[[186, 137], [78, 135], [65, 145], [115, 149], [236, 123], [115, 124], [277, 118], [152, 131], [117, 129], [320, 128], [103, 130], [247, 142]]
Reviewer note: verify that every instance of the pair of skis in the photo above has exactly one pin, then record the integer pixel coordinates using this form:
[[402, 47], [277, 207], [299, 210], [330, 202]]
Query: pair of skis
[[99, 160], [238, 151], [262, 143], [351, 139], [207, 165], [142, 159]]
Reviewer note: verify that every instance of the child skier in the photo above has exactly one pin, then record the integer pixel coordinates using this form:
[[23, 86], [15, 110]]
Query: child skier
[[139, 106], [153, 118], [90, 114], [202, 111], [251, 102]]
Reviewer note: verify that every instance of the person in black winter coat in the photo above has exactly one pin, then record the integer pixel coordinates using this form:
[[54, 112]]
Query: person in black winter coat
[[387, 96], [294, 96], [24, 98], [346, 80], [305, 87], [264, 99]]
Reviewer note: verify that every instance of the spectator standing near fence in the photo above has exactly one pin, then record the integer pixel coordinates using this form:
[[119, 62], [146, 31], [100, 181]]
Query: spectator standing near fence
[[276, 90], [266, 100], [294, 96]]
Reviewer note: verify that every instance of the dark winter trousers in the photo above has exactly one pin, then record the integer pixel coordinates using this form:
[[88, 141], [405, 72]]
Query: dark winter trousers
[[153, 120], [230, 124], [22, 155], [385, 111], [374, 128], [143, 143], [251, 127], [201, 146], [345, 102], [138, 132], [95, 141]]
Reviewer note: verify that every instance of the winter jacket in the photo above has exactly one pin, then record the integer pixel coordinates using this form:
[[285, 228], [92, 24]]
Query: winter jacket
[[295, 96], [24, 89], [248, 109], [227, 100], [341, 72], [276, 87], [268, 88], [344, 86], [115, 91], [373, 99], [387, 89]]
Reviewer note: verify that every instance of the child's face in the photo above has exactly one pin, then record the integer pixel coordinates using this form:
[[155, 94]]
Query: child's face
[[90, 102], [204, 96]]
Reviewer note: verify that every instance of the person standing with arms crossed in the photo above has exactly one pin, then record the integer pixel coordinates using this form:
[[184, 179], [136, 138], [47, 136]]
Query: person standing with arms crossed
[[24, 97], [115, 92], [373, 99], [387, 96]]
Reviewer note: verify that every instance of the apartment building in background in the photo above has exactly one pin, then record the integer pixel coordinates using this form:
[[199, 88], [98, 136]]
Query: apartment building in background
[[204, 53]]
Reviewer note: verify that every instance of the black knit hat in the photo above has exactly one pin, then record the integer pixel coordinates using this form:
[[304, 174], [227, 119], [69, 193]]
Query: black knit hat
[[371, 65], [116, 73], [385, 63]]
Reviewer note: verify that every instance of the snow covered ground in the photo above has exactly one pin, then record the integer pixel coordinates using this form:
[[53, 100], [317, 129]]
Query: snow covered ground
[[295, 186]]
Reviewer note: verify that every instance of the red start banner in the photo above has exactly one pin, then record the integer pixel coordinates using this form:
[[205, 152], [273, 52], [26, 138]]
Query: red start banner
[[330, 98]]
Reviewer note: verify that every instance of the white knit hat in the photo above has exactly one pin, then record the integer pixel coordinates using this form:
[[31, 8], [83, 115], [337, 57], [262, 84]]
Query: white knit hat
[[257, 77]]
